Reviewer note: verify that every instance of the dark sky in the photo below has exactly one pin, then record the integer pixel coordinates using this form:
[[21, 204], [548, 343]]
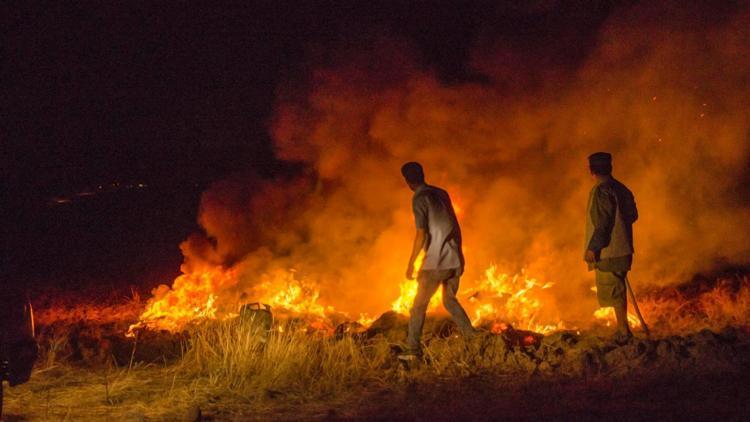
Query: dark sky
[[172, 92]]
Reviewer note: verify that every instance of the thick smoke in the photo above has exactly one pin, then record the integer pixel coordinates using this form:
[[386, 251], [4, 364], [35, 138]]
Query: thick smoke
[[668, 96]]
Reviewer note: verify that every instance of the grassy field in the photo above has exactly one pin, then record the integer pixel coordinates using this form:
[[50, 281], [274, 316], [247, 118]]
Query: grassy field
[[227, 369], [235, 370]]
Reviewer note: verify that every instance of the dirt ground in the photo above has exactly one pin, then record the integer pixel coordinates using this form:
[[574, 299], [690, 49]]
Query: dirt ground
[[663, 397], [717, 393]]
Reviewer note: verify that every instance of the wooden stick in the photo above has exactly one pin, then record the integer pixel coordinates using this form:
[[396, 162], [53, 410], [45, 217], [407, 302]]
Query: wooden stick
[[635, 306]]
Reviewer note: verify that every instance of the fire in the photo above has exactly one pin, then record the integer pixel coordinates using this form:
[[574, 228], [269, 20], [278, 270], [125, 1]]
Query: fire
[[408, 291], [365, 320], [498, 297], [608, 316], [191, 298], [283, 291], [351, 125], [511, 299]]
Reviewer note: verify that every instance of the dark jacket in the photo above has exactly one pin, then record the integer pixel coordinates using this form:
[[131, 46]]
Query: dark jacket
[[609, 220]]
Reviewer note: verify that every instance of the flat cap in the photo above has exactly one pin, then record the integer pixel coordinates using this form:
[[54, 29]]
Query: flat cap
[[600, 159]]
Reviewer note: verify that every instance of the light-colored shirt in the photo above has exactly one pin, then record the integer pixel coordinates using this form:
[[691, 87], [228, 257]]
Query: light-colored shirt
[[433, 212]]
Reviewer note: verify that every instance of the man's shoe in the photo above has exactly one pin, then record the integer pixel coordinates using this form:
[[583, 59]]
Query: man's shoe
[[409, 355]]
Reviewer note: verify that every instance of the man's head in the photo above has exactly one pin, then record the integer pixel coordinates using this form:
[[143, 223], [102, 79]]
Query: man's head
[[600, 164], [413, 174]]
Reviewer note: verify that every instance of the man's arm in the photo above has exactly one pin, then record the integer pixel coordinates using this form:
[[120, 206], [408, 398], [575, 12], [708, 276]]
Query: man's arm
[[419, 238], [632, 216], [603, 218], [421, 221]]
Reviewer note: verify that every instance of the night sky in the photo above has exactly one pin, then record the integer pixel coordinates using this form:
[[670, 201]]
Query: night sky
[[175, 96], [180, 93]]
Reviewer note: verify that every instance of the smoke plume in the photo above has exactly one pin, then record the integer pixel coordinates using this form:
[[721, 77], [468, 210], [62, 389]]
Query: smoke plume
[[668, 95]]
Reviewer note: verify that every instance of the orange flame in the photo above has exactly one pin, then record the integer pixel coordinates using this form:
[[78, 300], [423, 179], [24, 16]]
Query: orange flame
[[283, 291], [408, 291], [511, 299], [498, 297], [607, 315], [192, 297]]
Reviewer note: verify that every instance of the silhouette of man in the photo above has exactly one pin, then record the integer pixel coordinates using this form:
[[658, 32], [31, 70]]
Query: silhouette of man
[[439, 235], [609, 238]]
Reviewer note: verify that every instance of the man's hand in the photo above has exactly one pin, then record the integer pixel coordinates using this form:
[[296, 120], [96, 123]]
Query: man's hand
[[590, 257], [410, 271]]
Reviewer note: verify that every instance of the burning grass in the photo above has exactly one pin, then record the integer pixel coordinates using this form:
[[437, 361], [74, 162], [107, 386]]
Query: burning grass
[[700, 305]]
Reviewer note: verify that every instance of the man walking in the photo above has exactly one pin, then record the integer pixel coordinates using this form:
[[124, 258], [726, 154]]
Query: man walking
[[609, 239], [439, 235]]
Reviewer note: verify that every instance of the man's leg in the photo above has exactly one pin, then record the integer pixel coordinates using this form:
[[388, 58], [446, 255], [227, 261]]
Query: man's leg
[[450, 288], [427, 285], [610, 290], [621, 305]]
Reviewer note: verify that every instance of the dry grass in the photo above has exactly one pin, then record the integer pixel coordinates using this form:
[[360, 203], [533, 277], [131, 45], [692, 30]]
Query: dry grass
[[236, 357], [232, 370], [726, 303], [70, 307], [229, 369], [72, 393]]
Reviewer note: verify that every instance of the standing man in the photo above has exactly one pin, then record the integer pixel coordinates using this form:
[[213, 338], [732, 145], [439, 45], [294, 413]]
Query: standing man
[[439, 235], [609, 239]]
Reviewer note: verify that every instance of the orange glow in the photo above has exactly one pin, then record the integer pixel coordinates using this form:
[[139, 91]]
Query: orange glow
[[408, 291], [511, 299], [191, 298], [365, 320], [285, 293], [607, 315], [514, 163], [497, 297]]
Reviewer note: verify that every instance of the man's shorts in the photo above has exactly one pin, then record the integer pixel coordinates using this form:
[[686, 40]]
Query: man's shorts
[[438, 276], [610, 288]]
